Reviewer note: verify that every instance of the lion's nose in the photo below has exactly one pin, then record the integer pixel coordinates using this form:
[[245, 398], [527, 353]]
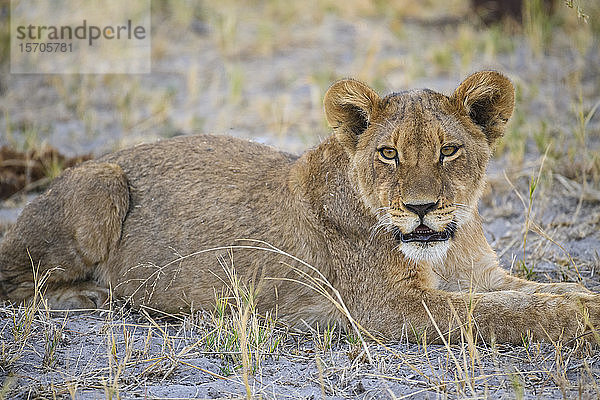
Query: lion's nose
[[421, 209]]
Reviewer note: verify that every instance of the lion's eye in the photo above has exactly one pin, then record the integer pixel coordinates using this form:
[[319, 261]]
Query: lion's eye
[[448, 151], [388, 153]]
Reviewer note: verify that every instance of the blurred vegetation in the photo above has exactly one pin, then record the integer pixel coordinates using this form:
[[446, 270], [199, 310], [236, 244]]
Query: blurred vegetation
[[260, 69], [4, 31]]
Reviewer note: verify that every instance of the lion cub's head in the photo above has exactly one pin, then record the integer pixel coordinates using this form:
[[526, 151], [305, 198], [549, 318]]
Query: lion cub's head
[[418, 158]]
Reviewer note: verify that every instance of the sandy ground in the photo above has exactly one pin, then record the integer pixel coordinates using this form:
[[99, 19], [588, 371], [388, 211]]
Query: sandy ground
[[172, 368], [264, 79]]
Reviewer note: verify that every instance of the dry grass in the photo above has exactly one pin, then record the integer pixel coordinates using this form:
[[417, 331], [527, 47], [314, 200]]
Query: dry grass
[[260, 70], [232, 348]]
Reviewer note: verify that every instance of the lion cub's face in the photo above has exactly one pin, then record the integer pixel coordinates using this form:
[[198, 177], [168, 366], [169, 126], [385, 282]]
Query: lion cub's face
[[418, 158]]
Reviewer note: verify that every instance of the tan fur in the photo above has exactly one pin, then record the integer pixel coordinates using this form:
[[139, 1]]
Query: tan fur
[[141, 221]]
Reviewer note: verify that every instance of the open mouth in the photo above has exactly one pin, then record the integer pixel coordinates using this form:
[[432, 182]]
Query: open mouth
[[425, 234]]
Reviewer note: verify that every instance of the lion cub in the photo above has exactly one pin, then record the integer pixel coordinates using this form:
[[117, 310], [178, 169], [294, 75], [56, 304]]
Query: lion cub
[[384, 211]]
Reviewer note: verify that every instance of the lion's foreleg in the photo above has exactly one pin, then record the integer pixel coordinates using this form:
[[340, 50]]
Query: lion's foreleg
[[504, 316]]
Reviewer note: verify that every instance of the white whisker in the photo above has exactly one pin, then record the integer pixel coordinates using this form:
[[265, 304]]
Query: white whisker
[[384, 222], [463, 213]]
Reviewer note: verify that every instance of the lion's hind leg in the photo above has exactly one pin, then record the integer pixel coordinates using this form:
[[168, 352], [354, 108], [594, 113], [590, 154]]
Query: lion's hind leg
[[63, 235]]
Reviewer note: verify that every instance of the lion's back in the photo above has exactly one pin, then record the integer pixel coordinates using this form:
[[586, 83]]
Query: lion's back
[[195, 192]]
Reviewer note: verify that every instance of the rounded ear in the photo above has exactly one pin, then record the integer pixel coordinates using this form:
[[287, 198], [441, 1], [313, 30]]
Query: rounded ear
[[488, 98], [349, 106]]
